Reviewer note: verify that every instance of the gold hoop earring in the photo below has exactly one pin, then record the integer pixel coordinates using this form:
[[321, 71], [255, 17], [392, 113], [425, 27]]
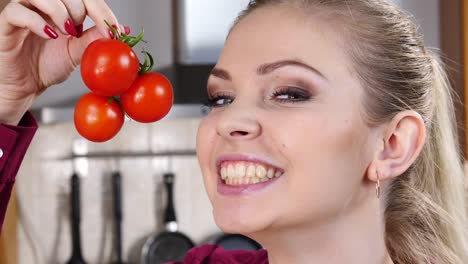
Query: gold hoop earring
[[377, 186]]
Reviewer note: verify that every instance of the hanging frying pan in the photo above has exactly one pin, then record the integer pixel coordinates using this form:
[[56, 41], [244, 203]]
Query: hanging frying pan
[[117, 193], [169, 245], [76, 257]]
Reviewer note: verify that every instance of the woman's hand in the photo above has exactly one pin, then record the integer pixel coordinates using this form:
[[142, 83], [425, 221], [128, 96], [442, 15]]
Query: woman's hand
[[41, 44]]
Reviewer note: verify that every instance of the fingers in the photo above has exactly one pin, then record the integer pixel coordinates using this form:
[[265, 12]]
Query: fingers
[[67, 15], [77, 12], [57, 11], [76, 46], [16, 15], [99, 11]]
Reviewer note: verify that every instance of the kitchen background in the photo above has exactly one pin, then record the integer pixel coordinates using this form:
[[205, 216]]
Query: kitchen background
[[41, 231]]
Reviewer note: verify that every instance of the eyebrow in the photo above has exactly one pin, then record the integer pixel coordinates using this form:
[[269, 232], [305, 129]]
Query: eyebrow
[[268, 68]]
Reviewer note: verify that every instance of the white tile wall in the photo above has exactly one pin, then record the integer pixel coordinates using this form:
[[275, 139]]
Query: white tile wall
[[43, 188]]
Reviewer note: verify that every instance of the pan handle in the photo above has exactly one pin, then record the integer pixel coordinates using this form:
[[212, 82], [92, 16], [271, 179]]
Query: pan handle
[[77, 256], [170, 216], [117, 191]]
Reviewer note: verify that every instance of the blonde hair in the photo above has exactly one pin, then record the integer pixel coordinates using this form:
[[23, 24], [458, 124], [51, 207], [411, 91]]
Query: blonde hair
[[425, 214]]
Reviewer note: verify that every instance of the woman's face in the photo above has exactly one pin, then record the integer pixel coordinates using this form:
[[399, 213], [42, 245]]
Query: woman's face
[[285, 144]]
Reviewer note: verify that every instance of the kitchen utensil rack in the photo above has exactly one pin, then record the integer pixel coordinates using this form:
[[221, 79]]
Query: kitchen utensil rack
[[125, 154]]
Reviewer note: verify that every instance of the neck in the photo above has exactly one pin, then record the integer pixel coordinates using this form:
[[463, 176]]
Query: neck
[[348, 238]]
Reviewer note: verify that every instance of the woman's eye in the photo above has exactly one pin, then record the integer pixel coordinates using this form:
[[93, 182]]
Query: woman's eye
[[218, 101], [291, 94]]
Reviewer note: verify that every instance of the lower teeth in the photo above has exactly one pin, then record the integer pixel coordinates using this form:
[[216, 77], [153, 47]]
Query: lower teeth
[[244, 181]]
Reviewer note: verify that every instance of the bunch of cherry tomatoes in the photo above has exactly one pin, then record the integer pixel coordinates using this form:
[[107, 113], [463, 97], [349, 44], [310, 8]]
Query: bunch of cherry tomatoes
[[119, 85]]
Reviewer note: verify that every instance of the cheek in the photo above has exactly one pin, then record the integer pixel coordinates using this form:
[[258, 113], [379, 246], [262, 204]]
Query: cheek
[[319, 137], [325, 155], [205, 144]]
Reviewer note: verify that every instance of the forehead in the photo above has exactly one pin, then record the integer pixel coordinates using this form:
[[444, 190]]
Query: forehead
[[277, 33]]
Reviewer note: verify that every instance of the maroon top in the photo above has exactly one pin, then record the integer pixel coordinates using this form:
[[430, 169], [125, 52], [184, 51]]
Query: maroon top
[[215, 254], [14, 142]]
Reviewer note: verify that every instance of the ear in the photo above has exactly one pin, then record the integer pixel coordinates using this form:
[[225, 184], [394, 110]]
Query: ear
[[401, 143]]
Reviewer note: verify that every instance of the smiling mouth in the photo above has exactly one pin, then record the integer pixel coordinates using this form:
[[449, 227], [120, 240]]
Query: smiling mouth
[[238, 173]]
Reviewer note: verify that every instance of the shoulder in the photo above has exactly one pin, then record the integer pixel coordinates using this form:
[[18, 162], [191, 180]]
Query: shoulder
[[208, 254]]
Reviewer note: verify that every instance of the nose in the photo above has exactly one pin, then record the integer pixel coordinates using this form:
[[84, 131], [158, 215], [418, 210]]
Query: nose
[[238, 123]]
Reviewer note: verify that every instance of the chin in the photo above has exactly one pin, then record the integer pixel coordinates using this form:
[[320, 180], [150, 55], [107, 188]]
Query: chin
[[237, 227], [238, 222]]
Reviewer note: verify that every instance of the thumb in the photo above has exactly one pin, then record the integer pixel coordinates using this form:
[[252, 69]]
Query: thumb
[[77, 46]]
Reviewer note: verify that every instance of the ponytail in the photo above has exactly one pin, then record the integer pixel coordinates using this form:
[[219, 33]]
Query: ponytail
[[426, 211]]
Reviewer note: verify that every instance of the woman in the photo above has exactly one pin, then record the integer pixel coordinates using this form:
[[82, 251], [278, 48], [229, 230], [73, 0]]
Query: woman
[[331, 137]]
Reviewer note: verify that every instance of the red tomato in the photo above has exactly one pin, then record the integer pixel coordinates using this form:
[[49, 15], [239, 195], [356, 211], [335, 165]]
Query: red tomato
[[109, 67], [97, 118], [149, 98]]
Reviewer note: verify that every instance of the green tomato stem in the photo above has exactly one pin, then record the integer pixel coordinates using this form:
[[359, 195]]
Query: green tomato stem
[[137, 39], [127, 39], [146, 67], [131, 41], [112, 29], [110, 100]]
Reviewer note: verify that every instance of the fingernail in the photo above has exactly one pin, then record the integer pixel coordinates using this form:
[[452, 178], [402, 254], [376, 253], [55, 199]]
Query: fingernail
[[79, 30], [70, 27], [127, 30], [50, 32], [111, 34], [117, 29]]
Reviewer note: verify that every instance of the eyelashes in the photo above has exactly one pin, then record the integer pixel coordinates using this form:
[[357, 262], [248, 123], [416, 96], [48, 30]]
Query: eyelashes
[[283, 95], [291, 95], [218, 100]]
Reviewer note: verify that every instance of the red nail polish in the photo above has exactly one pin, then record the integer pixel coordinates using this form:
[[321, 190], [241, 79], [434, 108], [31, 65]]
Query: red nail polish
[[111, 34], [116, 29], [127, 30], [79, 30], [50, 32], [70, 27]]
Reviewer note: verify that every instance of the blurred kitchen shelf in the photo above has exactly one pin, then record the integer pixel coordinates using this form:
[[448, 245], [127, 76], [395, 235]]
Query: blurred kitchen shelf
[[121, 154], [53, 115]]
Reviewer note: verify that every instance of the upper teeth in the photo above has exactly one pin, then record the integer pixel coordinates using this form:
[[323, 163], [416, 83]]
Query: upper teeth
[[230, 171]]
